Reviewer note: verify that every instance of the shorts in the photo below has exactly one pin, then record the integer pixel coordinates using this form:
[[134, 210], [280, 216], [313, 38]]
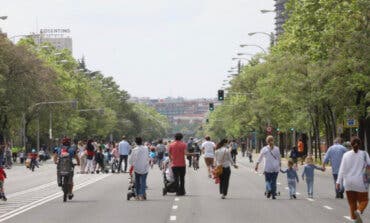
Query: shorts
[[209, 161]]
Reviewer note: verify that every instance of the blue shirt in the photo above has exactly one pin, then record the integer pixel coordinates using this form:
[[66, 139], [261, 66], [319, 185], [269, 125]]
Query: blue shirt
[[291, 174], [124, 148], [334, 155], [308, 171]]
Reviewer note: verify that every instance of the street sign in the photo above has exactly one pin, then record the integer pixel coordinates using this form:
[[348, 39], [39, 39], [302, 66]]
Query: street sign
[[351, 123]]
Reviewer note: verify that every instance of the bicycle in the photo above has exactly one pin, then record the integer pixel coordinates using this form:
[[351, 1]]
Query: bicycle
[[196, 161]]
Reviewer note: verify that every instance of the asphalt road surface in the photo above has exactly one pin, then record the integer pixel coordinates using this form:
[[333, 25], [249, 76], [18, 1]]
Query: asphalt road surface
[[34, 197]]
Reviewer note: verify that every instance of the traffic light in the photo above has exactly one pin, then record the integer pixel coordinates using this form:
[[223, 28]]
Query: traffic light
[[211, 106], [220, 95]]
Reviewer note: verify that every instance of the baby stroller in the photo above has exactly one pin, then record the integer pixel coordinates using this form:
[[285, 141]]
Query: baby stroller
[[168, 181], [131, 185]]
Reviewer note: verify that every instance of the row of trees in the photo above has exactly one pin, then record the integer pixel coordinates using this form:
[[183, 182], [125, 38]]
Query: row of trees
[[314, 78], [32, 73]]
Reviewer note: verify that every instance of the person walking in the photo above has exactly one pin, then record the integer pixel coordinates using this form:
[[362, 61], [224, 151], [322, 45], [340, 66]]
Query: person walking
[[223, 157], [334, 155], [272, 159], [350, 176], [90, 152], [234, 149], [292, 178], [309, 173], [139, 160], [177, 153], [82, 155], [124, 149], [190, 149], [161, 150], [208, 148]]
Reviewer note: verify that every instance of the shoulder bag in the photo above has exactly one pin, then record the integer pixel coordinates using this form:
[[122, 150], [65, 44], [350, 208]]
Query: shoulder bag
[[366, 171], [219, 168]]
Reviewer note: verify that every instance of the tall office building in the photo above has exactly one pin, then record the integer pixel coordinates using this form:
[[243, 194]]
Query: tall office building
[[280, 17], [59, 38]]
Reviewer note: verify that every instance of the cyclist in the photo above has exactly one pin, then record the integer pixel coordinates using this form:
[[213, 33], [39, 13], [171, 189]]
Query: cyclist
[[66, 148], [33, 156]]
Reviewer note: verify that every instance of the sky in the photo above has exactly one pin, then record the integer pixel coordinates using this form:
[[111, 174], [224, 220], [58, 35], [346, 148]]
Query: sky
[[152, 48]]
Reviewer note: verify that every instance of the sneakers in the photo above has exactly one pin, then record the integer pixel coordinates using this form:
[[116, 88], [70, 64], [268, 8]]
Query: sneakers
[[273, 197], [295, 197], [4, 198], [70, 196], [223, 197], [268, 194], [358, 216]]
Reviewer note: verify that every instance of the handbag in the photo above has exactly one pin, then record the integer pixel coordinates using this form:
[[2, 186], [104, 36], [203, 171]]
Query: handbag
[[366, 173], [219, 168]]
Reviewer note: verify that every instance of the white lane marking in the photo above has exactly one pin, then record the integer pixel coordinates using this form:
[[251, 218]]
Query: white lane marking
[[310, 199], [177, 199], [173, 218], [260, 174], [327, 207], [174, 207], [298, 193], [32, 189], [286, 188], [348, 218], [278, 183], [44, 200]]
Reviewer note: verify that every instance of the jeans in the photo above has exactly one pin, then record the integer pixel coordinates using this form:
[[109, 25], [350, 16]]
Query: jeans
[[179, 175], [140, 183], [341, 190], [224, 180], [124, 158], [309, 183], [292, 186], [270, 179]]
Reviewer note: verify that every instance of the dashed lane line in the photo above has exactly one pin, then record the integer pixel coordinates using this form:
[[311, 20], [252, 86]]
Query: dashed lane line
[[328, 207], [177, 199], [174, 207], [310, 199], [173, 218], [348, 218]]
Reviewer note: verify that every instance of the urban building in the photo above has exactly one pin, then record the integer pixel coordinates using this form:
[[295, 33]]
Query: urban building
[[280, 16], [59, 38], [184, 115]]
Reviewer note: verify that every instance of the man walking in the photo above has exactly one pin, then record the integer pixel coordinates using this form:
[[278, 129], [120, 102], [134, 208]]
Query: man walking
[[124, 150], [271, 154], [177, 154], [334, 155]]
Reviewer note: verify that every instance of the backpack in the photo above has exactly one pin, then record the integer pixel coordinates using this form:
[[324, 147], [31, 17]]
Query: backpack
[[65, 165]]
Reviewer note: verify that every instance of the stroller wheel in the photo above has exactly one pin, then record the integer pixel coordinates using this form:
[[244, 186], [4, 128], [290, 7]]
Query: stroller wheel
[[164, 191]]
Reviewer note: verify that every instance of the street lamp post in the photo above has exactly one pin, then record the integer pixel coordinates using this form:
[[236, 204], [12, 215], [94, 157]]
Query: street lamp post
[[73, 103], [244, 45], [264, 11], [270, 35]]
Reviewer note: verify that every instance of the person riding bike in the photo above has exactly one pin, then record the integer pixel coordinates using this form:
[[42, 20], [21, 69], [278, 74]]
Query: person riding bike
[[33, 156], [66, 149]]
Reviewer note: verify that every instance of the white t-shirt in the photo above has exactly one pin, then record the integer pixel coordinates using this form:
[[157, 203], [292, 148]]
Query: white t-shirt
[[209, 149], [351, 170]]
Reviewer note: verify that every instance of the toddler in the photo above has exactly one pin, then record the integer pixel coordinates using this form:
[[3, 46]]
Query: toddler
[[308, 172], [292, 179]]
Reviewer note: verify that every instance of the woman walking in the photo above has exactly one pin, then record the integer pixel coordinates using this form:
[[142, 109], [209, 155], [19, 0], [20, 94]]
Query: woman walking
[[82, 154], [351, 177], [90, 151], [223, 157], [140, 162]]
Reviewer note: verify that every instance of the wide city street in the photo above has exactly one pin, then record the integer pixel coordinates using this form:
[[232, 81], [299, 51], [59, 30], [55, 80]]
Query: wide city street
[[35, 197]]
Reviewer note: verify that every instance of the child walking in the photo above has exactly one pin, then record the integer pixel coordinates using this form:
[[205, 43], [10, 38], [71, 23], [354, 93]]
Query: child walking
[[292, 177], [308, 172], [2, 178]]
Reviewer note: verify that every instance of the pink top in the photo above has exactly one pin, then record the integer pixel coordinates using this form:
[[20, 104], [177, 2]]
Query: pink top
[[115, 153], [177, 154]]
